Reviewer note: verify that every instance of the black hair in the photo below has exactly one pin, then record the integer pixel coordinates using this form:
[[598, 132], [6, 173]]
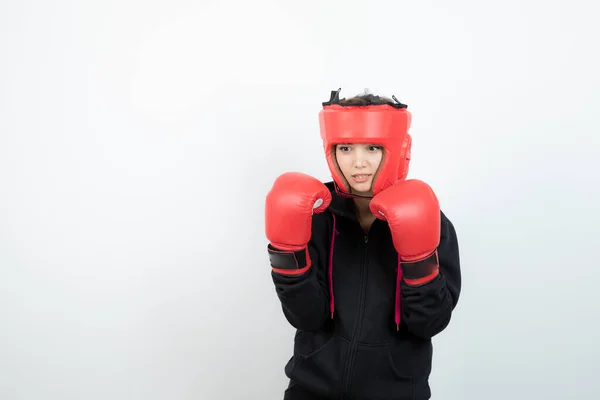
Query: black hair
[[364, 99]]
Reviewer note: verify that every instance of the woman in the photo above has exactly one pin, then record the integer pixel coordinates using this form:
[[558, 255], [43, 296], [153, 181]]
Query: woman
[[367, 266]]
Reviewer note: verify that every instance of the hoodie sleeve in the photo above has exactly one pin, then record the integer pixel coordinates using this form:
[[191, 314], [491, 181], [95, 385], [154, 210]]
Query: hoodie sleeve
[[427, 309], [304, 298]]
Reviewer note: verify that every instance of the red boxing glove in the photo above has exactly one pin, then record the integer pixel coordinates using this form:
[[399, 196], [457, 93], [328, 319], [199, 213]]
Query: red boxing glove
[[288, 220], [412, 211]]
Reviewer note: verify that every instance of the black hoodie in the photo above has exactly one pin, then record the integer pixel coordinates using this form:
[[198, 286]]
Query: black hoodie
[[346, 306]]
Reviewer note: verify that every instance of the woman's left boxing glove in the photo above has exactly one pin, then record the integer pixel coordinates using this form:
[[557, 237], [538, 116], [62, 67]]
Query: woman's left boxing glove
[[413, 214]]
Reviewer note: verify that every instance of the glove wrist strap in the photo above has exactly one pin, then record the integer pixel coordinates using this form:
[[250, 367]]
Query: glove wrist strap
[[418, 273], [289, 262]]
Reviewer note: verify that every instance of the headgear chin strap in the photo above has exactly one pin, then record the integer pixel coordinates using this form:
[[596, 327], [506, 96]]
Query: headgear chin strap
[[379, 123]]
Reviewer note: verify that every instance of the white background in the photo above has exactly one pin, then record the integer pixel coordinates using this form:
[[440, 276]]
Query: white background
[[139, 138]]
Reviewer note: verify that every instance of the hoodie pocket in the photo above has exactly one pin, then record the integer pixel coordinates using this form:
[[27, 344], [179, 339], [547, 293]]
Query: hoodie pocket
[[375, 376], [318, 363]]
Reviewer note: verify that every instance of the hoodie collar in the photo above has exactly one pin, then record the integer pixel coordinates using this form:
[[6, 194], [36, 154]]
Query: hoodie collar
[[341, 206]]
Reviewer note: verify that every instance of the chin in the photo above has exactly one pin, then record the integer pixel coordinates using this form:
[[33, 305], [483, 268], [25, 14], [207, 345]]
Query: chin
[[363, 189]]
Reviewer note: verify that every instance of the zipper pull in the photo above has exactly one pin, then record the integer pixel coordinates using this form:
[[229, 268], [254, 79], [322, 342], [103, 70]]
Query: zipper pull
[[366, 239]]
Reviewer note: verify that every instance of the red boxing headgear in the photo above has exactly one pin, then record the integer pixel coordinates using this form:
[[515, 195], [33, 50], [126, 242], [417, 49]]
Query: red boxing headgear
[[380, 124]]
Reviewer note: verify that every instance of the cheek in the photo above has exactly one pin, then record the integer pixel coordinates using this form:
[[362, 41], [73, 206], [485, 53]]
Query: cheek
[[376, 160], [343, 162]]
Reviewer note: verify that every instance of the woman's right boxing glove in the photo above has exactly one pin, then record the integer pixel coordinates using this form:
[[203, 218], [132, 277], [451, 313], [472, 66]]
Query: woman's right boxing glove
[[288, 220]]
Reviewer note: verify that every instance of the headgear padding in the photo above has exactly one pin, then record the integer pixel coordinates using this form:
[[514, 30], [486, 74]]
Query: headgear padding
[[380, 124]]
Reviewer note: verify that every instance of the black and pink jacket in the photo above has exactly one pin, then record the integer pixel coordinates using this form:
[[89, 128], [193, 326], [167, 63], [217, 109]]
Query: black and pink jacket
[[362, 333]]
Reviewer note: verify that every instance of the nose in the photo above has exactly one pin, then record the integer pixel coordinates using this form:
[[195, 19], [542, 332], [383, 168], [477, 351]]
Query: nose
[[359, 158]]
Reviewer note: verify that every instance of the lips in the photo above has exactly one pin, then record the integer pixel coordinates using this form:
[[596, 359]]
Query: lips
[[360, 178]]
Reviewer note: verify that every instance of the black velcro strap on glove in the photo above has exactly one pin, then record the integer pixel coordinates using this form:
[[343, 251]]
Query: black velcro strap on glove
[[420, 272], [287, 259]]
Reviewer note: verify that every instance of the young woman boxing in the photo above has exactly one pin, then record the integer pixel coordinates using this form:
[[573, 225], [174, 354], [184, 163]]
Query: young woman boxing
[[366, 267]]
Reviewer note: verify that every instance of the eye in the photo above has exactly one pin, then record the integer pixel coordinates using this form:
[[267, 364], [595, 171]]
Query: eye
[[343, 148], [375, 148]]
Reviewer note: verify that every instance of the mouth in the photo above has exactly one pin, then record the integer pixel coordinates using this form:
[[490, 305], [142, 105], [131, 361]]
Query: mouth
[[361, 178]]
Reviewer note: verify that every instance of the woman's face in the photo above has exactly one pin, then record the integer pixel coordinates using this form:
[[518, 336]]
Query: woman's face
[[359, 164]]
